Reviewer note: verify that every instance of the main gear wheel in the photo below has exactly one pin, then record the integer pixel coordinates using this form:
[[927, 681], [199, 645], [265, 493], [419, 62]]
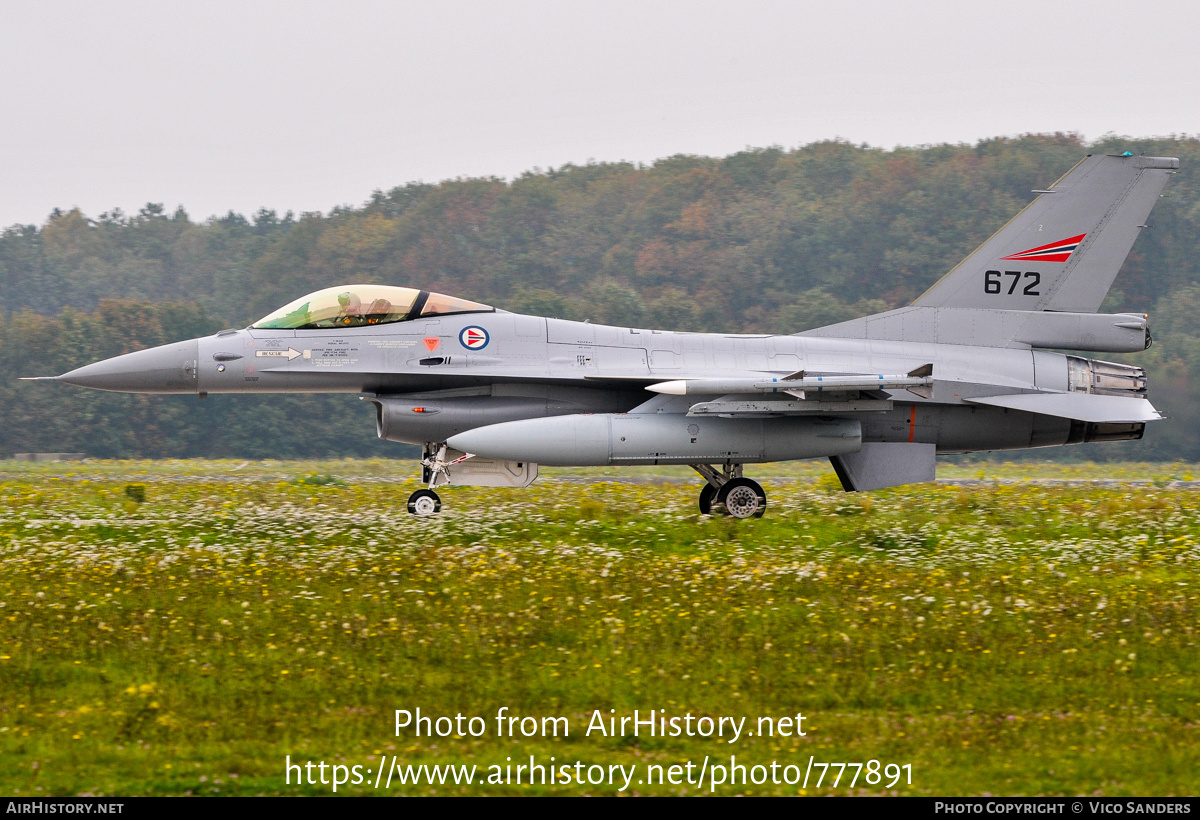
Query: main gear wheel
[[743, 498]]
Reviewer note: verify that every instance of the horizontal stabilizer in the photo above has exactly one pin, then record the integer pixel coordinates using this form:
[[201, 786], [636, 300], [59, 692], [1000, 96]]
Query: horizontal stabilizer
[[882, 464], [1078, 406]]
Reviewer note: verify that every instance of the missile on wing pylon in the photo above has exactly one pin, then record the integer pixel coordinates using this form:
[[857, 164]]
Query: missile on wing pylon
[[918, 381]]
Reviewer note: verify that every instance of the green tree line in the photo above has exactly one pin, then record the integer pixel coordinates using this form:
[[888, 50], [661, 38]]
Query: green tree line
[[765, 240]]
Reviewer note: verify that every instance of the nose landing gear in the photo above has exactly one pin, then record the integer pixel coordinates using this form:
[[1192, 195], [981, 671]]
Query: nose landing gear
[[433, 470], [730, 492], [424, 502]]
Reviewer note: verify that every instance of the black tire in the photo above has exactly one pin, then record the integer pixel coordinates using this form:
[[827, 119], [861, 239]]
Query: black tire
[[424, 502], [743, 498], [707, 493]]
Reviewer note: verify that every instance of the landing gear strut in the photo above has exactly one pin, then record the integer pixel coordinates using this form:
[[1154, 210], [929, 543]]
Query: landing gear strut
[[433, 471], [730, 492]]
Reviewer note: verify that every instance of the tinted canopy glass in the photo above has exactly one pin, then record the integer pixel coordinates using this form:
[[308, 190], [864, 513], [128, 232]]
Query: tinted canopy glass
[[355, 305]]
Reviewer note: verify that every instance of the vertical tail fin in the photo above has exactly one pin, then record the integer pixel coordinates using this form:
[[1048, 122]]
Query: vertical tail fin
[[1064, 249]]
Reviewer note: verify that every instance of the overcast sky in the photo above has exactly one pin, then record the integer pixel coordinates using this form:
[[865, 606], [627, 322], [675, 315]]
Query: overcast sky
[[305, 105]]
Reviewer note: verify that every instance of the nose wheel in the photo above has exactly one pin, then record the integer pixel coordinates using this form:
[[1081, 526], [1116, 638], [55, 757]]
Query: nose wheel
[[424, 502], [727, 491], [434, 472]]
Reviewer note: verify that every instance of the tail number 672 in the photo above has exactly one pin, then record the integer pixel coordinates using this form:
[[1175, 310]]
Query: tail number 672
[[993, 282]]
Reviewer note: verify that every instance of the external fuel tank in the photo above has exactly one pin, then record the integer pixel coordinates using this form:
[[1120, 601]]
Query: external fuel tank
[[586, 440]]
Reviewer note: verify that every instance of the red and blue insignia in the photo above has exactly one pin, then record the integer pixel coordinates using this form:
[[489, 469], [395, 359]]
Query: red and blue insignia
[[473, 337], [1054, 252]]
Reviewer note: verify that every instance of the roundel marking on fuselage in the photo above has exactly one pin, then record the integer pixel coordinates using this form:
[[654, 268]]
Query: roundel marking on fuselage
[[473, 338]]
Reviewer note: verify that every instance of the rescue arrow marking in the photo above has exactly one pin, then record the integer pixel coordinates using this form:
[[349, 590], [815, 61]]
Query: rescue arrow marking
[[278, 354]]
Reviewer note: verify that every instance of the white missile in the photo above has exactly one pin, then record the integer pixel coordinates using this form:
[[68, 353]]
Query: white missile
[[918, 381]]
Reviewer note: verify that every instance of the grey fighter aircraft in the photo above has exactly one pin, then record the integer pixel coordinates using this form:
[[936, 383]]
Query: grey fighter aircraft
[[490, 395]]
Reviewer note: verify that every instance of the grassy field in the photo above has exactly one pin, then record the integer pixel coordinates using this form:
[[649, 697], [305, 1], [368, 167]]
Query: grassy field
[[1002, 638], [954, 468]]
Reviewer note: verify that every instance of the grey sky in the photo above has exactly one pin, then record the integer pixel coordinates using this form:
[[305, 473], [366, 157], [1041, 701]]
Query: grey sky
[[303, 106]]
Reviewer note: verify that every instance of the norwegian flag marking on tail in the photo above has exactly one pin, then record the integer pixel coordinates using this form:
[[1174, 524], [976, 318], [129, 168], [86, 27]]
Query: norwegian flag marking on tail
[[1054, 252]]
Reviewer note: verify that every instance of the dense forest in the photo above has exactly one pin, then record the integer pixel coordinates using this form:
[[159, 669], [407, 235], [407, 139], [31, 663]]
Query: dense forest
[[765, 240]]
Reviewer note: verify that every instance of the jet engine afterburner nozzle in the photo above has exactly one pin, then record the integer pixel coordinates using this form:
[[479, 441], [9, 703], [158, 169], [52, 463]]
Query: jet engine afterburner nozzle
[[164, 369]]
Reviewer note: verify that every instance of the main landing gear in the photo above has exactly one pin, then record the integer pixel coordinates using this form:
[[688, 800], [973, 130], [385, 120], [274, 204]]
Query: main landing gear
[[729, 491], [433, 471]]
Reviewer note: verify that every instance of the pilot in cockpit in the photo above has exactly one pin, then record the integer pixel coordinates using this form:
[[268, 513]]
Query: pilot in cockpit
[[378, 312], [358, 305], [352, 312], [350, 309]]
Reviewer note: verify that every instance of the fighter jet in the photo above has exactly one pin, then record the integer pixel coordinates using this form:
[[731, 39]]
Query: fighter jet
[[490, 395]]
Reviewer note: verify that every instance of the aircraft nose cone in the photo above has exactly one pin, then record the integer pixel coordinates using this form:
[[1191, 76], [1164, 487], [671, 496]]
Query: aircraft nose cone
[[164, 369]]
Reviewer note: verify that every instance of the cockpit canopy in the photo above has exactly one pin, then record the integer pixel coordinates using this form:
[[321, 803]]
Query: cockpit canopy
[[355, 305]]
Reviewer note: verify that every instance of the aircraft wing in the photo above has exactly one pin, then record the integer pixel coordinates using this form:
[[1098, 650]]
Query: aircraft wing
[[1078, 406]]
